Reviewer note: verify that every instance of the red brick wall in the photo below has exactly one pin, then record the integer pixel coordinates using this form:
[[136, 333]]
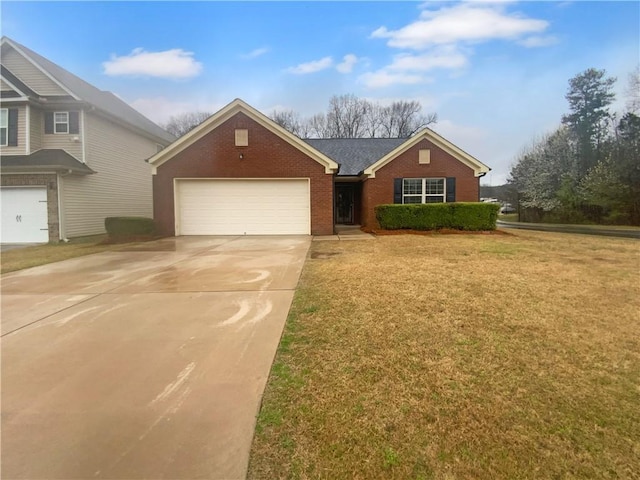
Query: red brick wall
[[379, 190], [267, 156]]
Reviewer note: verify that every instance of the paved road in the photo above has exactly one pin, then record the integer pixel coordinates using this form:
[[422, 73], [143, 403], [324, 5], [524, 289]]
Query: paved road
[[148, 363], [582, 229]]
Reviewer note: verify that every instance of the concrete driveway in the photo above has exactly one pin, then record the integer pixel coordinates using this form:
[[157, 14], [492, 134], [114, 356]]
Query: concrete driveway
[[146, 363]]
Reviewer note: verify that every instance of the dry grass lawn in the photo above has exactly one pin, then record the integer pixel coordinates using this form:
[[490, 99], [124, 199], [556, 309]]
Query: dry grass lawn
[[27, 257], [458, 357]]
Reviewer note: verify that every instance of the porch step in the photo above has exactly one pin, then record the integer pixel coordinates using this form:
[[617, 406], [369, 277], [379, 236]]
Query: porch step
[[346, 232]]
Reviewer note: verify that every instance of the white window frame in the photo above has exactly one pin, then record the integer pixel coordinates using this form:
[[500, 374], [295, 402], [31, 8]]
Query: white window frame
[[423, 195], [4, 125], [56, 123]]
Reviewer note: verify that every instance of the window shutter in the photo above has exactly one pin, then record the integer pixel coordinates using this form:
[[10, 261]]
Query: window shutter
[[12, 138], [48, 123], [451, 189], [74, 122], [397, 190]]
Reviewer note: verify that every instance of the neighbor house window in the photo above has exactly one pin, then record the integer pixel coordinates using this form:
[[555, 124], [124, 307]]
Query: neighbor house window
[[61, 122], [423, 190], [4, 126]]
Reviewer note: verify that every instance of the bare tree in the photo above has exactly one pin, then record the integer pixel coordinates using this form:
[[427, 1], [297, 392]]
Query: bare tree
[[318, 126], [289, 120], [632, 92], [403, 119], [346, 116], [374, 120], [351, 117], [178, 125]]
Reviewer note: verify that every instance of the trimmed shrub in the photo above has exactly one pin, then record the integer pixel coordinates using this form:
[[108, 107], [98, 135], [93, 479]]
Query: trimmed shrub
[[129, 226], [435, 216]]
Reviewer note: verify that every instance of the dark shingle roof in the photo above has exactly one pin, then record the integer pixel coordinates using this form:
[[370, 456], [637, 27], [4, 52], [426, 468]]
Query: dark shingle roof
[[355, 154], [44, 160], [105, 101]]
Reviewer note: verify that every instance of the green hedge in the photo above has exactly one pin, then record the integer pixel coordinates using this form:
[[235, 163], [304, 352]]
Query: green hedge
[[129, 226], [435, 216]]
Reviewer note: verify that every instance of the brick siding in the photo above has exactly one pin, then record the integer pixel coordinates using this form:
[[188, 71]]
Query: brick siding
[[266, 156], [379, 190]]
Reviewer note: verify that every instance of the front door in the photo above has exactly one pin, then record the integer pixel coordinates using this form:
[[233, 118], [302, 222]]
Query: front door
[[344, 204]]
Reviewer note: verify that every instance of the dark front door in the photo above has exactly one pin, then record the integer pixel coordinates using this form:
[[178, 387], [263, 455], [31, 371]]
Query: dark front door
[[344, 204]]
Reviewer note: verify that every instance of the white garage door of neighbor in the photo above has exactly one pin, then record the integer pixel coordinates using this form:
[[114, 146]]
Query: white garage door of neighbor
[[24, 215], [243, 207]]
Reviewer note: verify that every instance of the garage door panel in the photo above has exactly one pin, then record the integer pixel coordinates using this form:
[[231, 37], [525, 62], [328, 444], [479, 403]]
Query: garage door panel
[[24, 215], [243, 207]]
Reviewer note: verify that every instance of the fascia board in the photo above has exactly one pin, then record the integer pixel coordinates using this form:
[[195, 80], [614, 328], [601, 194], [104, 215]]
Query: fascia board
[[15, 100]]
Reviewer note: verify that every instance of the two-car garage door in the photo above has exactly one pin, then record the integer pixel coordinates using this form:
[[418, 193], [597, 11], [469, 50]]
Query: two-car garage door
[[243, 207]]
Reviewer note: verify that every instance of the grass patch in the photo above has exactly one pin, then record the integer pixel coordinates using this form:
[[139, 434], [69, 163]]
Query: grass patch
[[508, 217], [475, 357], [27, 257]]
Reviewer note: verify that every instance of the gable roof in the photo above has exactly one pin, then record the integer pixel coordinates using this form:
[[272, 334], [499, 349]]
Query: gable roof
[[479, 168], [81, 90], [218, 118], [355, 154]]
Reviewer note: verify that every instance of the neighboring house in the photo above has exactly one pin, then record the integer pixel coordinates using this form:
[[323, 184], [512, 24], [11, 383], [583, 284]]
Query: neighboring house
[[240, 173], [70, 154]]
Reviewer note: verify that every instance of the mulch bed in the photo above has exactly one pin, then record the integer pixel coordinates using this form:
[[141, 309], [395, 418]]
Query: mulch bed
[[443, 231]]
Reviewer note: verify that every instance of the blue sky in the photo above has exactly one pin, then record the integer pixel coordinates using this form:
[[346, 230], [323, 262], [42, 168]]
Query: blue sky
[[495, 72]]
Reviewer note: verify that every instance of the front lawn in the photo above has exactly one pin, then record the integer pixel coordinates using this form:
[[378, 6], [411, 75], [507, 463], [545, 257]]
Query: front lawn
[[32, 256], [458, 357]]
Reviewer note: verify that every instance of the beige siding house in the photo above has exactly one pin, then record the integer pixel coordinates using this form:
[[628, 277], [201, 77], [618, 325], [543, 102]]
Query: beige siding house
[[70, 154]]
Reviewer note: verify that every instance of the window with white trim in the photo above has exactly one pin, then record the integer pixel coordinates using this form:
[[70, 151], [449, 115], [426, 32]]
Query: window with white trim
[[61, 122], [4, 127], [423, 190]]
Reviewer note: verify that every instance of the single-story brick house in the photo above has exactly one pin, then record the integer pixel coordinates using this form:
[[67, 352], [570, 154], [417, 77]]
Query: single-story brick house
[[239, 173]]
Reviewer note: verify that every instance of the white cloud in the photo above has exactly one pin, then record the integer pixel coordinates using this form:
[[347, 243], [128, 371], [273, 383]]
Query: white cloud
[[538, 41], [384, 78], [258, 52], [348, 61], [175, 64], [311, 67], [467, 22], [446, 57], [404, 68]]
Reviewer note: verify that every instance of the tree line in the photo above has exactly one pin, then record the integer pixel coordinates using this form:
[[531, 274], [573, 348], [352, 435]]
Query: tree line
[[588, 169], [347, 116]]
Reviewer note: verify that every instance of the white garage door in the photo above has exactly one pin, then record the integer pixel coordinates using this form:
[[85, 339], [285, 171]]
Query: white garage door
[[243, 207], [24, 215]]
